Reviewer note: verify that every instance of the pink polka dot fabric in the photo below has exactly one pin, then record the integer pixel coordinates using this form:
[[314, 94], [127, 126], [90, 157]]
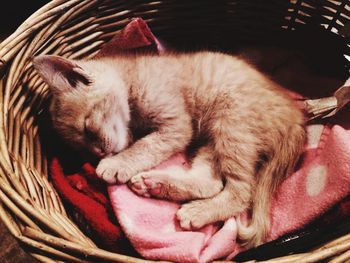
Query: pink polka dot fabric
[[322, 181], [153, 230]]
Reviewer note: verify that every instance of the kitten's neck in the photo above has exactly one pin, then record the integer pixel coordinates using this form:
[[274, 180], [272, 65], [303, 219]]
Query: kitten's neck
[[125, 68]]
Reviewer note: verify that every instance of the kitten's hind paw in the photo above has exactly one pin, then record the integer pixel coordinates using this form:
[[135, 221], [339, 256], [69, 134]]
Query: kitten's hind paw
[[137, 185], [157, 183], [193, 215], [149, 183]]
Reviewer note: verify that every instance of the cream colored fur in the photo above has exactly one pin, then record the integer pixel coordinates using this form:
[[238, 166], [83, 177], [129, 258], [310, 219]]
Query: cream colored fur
[[139, 110]]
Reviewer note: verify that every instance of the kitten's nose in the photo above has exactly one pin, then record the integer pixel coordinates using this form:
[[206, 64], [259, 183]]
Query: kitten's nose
[[98, 151]]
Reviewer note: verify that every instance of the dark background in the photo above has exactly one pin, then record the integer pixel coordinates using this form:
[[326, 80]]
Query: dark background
[[14, 12]]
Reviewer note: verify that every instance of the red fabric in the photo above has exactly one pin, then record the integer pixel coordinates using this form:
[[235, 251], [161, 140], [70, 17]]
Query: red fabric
[[89, 198], [81, 189], [135, 36]]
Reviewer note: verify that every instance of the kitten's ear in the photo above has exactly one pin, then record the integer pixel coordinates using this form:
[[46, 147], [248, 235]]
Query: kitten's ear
[[59, 73]]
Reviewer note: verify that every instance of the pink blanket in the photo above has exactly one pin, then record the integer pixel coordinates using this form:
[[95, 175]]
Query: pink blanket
[[321, 181]]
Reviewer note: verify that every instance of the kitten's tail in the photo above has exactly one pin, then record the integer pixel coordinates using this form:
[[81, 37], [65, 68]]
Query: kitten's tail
[[279, 165]]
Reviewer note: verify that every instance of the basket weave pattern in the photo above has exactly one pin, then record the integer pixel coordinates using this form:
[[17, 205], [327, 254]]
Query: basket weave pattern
[[29, 206]]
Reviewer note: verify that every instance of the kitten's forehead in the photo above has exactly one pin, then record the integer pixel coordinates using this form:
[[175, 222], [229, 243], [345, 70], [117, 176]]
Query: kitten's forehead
[[105, 95], [83, 104], [67, 111], [95, 68]]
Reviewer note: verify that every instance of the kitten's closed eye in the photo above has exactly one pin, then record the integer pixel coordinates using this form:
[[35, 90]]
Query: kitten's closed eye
[[93, 142], [93, 139], [90, 134]]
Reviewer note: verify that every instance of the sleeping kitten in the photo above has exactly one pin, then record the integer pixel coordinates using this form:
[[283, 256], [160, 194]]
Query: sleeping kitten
[[250, 131]]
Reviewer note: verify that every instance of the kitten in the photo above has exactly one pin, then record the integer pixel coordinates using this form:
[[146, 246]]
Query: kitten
[[250, 132]]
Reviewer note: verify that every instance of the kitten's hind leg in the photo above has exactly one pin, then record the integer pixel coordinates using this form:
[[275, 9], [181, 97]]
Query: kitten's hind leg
[[235, 154], [199, 213], [178, 184]]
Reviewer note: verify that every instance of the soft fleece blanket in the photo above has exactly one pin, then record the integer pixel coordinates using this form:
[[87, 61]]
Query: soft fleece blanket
[[321, 181]]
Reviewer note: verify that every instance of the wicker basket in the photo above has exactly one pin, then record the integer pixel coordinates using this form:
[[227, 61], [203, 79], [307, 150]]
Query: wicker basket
[[29, 206]]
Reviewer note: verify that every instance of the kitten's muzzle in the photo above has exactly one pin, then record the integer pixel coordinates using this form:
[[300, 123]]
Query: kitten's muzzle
[[98, 152], [102, 153]]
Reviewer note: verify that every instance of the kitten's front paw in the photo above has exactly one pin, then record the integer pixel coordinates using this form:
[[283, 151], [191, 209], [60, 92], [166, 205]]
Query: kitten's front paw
[[114, 171]]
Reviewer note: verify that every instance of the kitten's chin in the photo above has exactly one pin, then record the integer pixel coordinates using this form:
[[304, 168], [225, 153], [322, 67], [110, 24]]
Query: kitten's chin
[[118, 148], [108, 155]]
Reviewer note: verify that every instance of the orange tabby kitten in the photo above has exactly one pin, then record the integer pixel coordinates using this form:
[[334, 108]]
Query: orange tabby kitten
[[250, 132]]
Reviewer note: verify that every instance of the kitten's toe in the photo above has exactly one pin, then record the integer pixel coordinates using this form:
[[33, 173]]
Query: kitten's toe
[[184, 219], [147, 184], [155, 185], [123, 175], [106, 172], [137, 185], [193, 215], [114, 170], [161, 185]]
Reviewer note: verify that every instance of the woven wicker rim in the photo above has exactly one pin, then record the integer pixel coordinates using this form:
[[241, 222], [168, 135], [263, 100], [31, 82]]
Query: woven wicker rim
[[30, 207]]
